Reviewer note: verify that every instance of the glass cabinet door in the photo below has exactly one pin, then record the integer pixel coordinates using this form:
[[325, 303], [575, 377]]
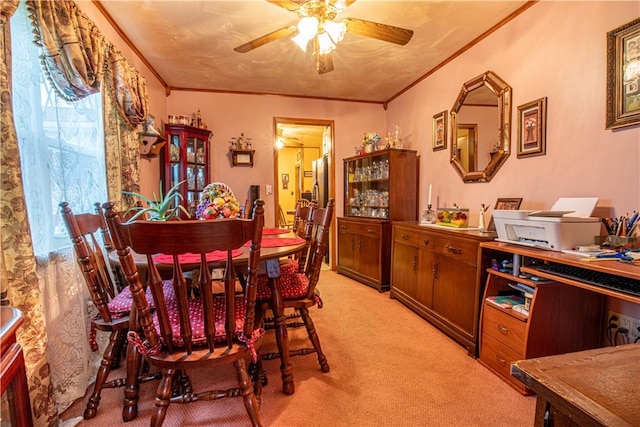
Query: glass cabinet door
[[185, 160], [367, 192]]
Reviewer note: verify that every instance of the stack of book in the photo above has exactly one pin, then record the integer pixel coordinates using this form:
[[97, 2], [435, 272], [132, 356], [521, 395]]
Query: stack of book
[[511, 302]]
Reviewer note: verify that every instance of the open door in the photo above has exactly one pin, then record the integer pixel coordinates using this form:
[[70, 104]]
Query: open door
[[298, 144]]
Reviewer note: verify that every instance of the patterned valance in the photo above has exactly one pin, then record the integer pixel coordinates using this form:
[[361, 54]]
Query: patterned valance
[[75, 57], [128, 88], [73, 49]]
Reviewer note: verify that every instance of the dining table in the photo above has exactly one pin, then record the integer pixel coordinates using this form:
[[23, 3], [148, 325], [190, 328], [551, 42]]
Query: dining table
[[277, 243]]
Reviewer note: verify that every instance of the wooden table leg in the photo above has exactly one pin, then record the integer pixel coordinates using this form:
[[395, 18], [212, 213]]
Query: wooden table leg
[[282, 336]]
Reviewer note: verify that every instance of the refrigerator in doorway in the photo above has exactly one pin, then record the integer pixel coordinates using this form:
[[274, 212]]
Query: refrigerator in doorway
[[320, 169], [321, 181]]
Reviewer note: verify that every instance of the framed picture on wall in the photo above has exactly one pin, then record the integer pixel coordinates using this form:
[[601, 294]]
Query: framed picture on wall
[[440, 131], [509, 204], [623, 75], [532, 128]]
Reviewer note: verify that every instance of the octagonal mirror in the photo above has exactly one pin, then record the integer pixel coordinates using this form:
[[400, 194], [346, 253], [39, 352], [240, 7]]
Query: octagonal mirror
[[481, 128]]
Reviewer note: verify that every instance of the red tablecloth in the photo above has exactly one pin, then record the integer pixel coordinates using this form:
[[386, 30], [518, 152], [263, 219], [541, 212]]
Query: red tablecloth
[[272, 231], [276, 242], [195, 258]]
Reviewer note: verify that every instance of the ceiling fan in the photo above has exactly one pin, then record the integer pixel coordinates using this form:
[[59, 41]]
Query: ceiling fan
[[316, 26]]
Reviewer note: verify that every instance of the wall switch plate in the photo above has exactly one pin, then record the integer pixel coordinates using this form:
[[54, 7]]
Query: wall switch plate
[[268, 189]]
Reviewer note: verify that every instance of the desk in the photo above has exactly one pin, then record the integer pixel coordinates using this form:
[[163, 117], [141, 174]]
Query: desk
[[589, 388], [271, 256], [13, 376], [565, 315]]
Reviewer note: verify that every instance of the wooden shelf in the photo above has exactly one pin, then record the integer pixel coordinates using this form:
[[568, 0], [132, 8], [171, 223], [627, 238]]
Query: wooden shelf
[[242, 157]]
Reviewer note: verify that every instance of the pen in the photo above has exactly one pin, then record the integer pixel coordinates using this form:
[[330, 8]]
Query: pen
[[631, 222]]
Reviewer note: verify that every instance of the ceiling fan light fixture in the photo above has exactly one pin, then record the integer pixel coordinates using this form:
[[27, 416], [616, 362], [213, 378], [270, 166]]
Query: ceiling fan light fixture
[[336, 30], [325, 43], [307, 30]]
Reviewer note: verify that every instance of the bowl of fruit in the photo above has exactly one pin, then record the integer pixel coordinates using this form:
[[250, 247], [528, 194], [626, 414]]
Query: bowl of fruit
[[217, 201], [458, 218]]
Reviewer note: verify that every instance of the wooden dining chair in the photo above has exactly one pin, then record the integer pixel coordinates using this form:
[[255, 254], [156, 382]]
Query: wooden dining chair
[[208, 331], [299, 289], [113, 308]]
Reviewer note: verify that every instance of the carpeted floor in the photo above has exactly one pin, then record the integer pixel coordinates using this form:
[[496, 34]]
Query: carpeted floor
[[389, 367]]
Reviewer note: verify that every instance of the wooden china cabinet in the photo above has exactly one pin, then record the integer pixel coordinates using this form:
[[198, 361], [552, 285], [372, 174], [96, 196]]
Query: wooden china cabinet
[[185, 158], [379, 187]]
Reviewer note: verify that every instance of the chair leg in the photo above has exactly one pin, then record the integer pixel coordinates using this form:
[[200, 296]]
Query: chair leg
[[103, 372], [247, 391], [163, 397], [132, 388], [313, 337]]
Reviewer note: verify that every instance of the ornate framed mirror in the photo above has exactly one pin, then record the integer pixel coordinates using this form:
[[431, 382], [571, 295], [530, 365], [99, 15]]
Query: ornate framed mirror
[[481, 128]]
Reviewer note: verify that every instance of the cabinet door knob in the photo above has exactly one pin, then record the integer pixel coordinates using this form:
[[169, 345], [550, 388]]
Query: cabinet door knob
[[426, 242], [503, 329]]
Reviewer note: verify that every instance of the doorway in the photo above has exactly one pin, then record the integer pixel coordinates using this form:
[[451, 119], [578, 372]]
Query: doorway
[[303, 162]]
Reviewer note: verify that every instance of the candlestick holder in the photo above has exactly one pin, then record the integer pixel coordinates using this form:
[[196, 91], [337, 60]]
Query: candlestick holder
[[429, 216]]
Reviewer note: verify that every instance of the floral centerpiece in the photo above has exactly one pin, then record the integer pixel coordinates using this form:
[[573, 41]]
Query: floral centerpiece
[[217, 201]]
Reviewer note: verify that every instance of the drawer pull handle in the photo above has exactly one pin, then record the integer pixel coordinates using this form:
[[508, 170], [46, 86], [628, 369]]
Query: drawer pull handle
[[454, 249], [371, 231], [501, 361], [405, 237], [503, 329], [343, 226]]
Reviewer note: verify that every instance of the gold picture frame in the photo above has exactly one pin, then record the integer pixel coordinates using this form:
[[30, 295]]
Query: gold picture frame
[[623, 76], [532, 128], [509, 204], [440, 131]]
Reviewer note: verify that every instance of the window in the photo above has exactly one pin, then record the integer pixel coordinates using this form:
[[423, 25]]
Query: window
[[61, 144]]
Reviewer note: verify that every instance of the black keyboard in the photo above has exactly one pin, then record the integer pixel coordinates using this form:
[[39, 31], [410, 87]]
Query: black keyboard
[[596, 278]]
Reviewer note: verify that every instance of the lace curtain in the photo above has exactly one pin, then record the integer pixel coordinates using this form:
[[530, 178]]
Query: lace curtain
[[66, 140], [53, 136]]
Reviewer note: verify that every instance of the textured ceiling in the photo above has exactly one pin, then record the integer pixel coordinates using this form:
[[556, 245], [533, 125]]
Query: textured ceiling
[[190, 45]]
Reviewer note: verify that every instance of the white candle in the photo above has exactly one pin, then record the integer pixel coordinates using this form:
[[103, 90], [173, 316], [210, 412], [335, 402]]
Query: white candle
[[429, 202]]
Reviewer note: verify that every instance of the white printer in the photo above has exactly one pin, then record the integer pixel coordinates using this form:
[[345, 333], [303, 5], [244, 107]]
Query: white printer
[[568, 224]]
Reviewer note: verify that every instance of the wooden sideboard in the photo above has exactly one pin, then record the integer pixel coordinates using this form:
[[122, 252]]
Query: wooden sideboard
[[565, 315], [439, 273], [13, 376], [364, 251]]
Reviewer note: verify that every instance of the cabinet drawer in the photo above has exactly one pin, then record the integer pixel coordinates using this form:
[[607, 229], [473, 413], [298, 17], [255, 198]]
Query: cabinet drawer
[[370, 230], [506, 329], [461, 250], [418, 240], [499, 358]]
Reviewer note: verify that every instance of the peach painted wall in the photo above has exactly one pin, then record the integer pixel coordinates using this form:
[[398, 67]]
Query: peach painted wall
[[227, 115], [554, 49]]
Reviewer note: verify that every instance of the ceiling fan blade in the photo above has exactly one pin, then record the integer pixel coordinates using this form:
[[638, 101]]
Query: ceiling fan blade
[[324, 63], [286, 4], [342, 4], [278, 34], [378, 31]]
